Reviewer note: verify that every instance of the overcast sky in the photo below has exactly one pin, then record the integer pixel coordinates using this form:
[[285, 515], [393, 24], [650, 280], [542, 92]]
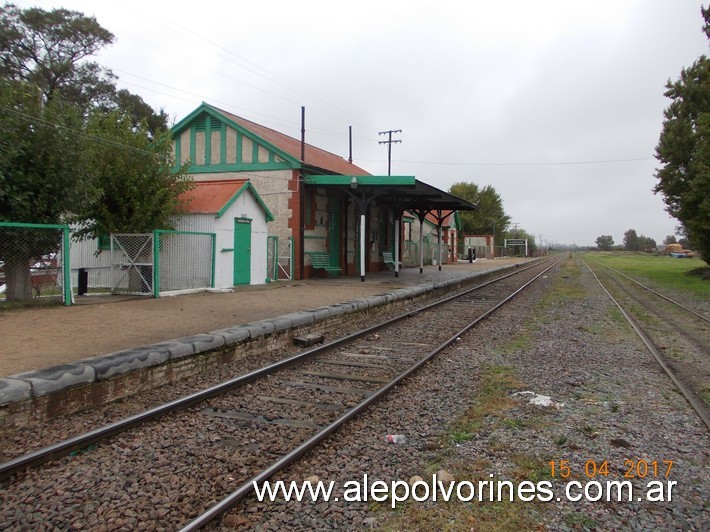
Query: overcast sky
[[558, 104]]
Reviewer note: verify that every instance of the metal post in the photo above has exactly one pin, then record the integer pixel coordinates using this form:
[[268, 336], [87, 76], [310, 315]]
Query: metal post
[[156, 264], [214, 260], [66, 266]]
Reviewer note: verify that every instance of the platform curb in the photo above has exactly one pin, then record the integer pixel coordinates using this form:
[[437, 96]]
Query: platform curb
[[26, 388]]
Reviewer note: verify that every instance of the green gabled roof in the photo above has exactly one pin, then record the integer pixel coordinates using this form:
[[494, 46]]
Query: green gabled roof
[[231, 121], [283, 146]]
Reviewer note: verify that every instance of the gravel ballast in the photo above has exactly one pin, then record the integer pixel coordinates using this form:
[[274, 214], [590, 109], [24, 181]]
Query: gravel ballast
[[465, 416], [610, 403]]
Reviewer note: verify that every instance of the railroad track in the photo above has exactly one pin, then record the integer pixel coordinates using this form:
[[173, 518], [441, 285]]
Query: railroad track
[[182, 459], [676, 335]]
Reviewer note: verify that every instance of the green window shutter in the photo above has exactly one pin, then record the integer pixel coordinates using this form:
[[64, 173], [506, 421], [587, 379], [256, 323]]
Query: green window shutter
[[104, 242]]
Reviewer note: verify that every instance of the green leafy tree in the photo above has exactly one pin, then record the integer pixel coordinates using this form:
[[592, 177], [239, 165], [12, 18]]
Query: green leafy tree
[[631, 240], [61, 116], [134, 173], [139, 111], [636, 242], [684, 151], [605, 242], [489, 218], [42, 177], [49, 49]]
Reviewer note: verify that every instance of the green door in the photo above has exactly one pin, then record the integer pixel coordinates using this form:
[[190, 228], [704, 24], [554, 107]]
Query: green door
[[242, 251]]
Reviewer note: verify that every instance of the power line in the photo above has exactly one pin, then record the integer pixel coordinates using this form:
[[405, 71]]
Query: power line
[[553, 163], [42, 121]]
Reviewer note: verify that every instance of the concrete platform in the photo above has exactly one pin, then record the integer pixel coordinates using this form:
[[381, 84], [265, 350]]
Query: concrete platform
[[250, 313]]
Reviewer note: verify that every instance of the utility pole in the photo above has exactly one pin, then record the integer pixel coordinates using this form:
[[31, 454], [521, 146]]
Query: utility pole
[[389, 143]]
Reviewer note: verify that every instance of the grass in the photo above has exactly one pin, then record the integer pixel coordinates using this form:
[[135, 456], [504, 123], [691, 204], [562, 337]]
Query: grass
[[566, 287], [683, 275], [578, 520], [494, 398], [492, 401]]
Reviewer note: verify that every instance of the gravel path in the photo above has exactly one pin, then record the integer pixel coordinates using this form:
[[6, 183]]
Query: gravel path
[[563, 340]]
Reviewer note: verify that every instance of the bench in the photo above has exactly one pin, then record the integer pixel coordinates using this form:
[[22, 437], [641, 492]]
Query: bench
[[388, 260], [320, 260]]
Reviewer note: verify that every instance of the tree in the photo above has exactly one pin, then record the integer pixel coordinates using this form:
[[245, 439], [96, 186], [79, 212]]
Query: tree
[[138, 187], [684, 151], [605, 242], [635, 242], [60, 116], [670, 239], [140, 111], [490, 216], [42, 176], [49, 50], [631, 240]]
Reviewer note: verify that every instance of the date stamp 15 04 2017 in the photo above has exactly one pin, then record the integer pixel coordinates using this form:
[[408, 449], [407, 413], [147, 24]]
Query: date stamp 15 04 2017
[[631, 469]]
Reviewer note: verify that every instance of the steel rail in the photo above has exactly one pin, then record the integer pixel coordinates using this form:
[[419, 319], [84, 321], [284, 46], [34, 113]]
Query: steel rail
[[656, 293], [694, 402], [247, 487], [81, 441]]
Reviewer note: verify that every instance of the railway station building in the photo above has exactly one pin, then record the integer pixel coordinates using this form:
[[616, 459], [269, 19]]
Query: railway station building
[[326, 215]]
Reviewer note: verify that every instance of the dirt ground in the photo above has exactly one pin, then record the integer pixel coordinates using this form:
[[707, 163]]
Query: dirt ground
[[37, 338], [96, 325]]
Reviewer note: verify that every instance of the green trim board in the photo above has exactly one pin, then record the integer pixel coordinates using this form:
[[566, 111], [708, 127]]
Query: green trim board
[[364, 180], [222, 143], [243, 167], [33, 225]]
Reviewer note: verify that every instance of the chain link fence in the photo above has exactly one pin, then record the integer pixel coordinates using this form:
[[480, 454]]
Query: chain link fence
[[132, 263], [32, 262], [37, 261], [184, 260], [162, 261], [410, 253]]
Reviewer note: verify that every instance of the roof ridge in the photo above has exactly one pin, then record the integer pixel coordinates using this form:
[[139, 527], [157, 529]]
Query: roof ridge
[[257, 124]]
